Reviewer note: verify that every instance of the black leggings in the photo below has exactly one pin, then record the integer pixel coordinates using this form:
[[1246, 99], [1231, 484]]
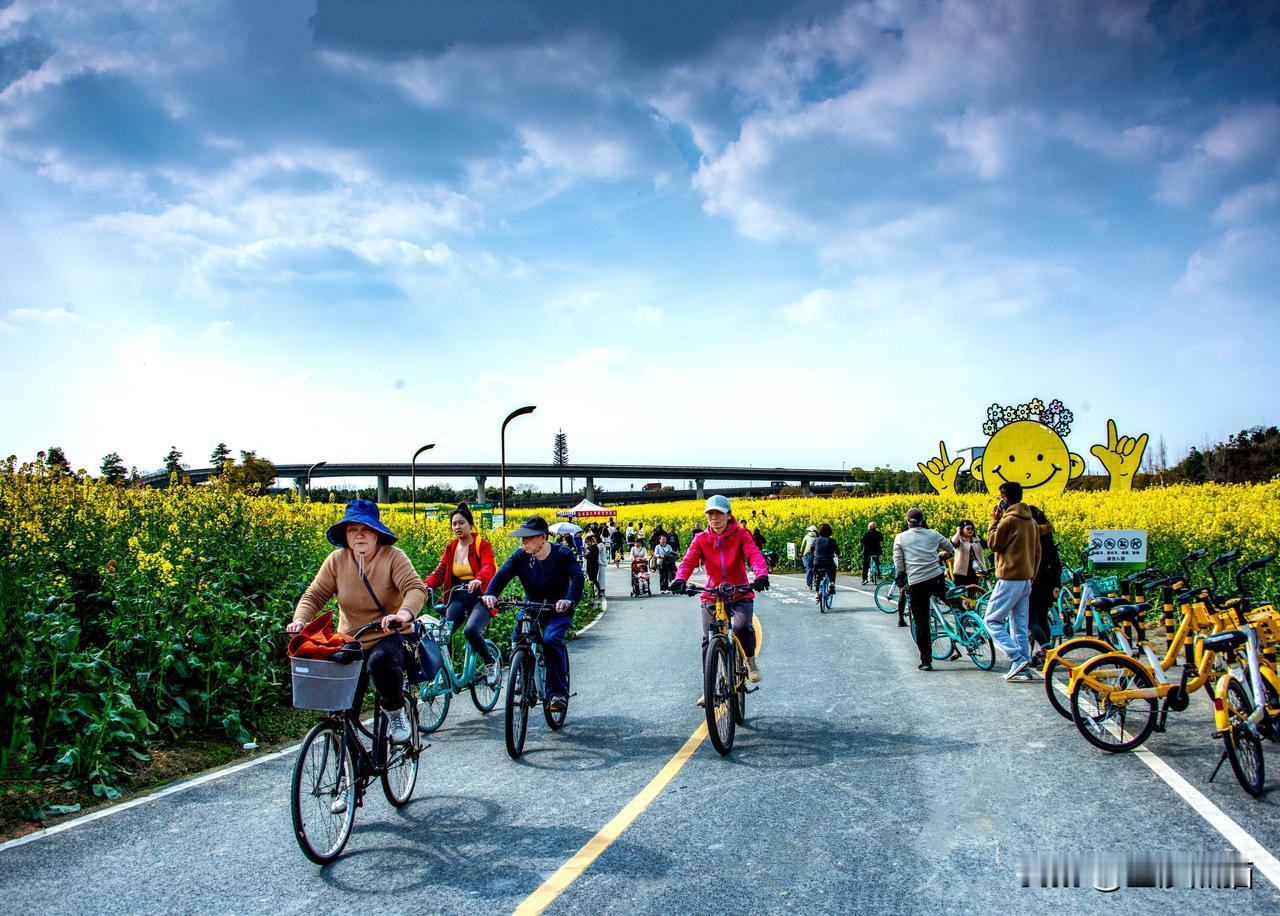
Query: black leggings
[[385, 665], [740, 616], [464, 603]]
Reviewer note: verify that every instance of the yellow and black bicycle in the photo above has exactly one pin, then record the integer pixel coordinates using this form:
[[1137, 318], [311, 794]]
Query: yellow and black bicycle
[[724, 666]]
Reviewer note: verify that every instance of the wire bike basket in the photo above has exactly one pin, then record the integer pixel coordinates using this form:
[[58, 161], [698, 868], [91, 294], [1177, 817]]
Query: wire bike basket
[[324, 685]]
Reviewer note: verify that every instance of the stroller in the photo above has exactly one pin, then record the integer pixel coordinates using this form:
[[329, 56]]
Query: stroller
[[640, 578]]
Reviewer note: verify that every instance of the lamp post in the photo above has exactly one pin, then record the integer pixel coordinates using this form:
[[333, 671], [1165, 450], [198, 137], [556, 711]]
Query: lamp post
[[503, 437], [310, 471], [413, 471]]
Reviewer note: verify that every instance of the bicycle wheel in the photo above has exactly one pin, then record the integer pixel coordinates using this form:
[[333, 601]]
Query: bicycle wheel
[[322, 799], [1114, 726], [1243, 747], [941, 645], [887, 596], [717, 687], [822, 594], [483, 694], [977, 641], [401, 774], [555, 720], [519, 683], [435, 699], [1057, 672]]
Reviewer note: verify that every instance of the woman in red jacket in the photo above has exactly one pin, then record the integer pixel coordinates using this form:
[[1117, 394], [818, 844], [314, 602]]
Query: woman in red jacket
[[467, 561]]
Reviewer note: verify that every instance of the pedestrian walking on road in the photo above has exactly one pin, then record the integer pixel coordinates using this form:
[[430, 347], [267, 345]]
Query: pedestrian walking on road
[[1015, 540], [615, 543], [1044, 587], [592, 547], [918, 553], [806, 554], [665, 557], [872, 544], [970, 563]]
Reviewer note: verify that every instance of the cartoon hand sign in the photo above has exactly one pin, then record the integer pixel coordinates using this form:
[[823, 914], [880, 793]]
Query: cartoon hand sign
[[941, 471], [1121, 456]]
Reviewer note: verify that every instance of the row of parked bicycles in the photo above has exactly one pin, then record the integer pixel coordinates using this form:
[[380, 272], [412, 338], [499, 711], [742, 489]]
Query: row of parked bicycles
[[1118, 663]]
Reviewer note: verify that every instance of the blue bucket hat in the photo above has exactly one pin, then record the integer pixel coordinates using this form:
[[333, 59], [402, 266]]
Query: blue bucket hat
[[365, 512]]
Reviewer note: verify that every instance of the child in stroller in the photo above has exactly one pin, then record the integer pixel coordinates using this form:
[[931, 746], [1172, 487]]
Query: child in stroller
[[639, 570]]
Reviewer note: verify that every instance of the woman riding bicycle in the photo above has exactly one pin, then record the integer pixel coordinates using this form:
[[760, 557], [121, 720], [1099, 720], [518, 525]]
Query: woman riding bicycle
[[726, 550], [824, 556], [369, 575], [548, 572], [467, 562]]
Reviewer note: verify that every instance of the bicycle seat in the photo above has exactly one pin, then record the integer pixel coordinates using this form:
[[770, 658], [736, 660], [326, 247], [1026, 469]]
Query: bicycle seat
[[1106, 604], [1219, 642], [955, 594], [1129, 613]]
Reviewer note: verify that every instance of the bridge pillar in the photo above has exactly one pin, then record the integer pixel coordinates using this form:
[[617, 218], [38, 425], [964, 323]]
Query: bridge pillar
[[384, 484], [701, 491], [591, 489], [804, 488], [480, 482], [300, 484]]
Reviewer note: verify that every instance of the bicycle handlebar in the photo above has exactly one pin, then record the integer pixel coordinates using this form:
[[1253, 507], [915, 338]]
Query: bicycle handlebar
[[724, 590]]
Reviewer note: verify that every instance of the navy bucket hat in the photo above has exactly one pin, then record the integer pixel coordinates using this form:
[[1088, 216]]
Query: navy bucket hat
[[365, 512]]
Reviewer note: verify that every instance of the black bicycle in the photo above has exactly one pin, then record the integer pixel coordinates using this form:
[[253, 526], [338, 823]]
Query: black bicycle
[[527, 675], [335, 765]]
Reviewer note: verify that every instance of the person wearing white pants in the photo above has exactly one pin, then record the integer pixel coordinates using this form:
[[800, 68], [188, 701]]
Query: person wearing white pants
[[1014, 538]]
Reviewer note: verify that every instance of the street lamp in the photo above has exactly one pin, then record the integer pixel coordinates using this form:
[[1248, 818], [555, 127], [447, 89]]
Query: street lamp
[[413, 470], [503, 437], [310, 471]]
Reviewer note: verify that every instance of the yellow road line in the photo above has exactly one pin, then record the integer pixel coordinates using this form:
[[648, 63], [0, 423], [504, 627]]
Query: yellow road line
[[570, 871]]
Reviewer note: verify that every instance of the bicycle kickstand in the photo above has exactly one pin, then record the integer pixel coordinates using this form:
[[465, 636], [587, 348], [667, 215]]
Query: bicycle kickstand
[[1221, 761]]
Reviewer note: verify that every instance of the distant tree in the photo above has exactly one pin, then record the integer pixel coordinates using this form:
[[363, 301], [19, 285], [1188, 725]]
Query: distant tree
[[560, 454], [113, 470], [171, 461], [252, 474], [56, 461], [219, 457]]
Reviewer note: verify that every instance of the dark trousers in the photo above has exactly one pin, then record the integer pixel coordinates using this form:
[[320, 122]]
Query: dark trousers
[[919, 595], [385, 665], [666, 572], [866, 563], [819, 569], [1038, 613], [463, 603], [593, 576], [556, 655], [740, 615]]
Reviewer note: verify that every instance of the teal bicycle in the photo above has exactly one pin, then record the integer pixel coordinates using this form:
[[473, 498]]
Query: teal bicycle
[[826, 591], [435, 697], [886, 591], [952, 627]]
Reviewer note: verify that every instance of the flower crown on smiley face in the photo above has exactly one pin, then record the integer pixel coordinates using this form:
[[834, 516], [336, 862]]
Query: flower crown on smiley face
[[1055, 416]]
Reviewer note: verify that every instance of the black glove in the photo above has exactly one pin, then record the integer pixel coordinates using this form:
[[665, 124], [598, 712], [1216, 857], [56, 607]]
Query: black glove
[[761, 584], [676, 587]]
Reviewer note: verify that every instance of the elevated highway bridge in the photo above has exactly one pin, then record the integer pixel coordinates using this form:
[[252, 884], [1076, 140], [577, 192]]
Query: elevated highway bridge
[[482, 472]]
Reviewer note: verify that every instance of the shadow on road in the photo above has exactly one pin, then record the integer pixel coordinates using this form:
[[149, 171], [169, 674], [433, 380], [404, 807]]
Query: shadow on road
[[801, 742], [595, 743]]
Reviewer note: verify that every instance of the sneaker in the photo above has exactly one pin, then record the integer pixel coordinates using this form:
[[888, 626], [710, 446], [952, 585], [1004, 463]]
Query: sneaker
[[339, 804], [558, 704], [925, 667], [492, 672], [702, 702], [1037, 660], [753, 670], [1016, 668], [398, 726], [901, 622], [1025, 676]]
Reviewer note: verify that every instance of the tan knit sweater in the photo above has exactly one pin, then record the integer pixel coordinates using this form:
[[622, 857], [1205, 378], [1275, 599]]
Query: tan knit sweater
[[389, 571]]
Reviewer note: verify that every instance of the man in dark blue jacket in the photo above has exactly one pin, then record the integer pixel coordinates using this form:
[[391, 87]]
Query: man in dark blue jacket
[[549, 572]]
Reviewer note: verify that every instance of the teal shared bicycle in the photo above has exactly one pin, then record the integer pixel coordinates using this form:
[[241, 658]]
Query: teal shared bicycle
[[435, 697], [952, 627]]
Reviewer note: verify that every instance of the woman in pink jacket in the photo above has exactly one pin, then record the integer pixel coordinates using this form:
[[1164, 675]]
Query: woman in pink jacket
[[726, 550]]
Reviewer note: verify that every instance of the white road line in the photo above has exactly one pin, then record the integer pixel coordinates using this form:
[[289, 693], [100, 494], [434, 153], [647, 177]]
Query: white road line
[[847, 588], [142, 800], [1214, 816]]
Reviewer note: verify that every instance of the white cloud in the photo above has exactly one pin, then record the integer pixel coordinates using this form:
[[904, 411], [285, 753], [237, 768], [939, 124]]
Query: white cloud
[[1237, 267], [216, 329], [53, 318], [1249, 202], [810, 307], [989, 140], [1243, 138], [647, 316]]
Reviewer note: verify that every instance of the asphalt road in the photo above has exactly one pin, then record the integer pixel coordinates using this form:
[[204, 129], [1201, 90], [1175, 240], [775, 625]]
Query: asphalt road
[[858, 785]]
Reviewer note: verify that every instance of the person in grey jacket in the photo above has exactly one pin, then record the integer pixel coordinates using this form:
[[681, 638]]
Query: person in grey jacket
[[918, 552]]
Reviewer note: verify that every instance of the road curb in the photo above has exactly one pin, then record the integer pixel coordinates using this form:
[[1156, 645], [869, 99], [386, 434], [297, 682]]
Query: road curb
[[604, 606]]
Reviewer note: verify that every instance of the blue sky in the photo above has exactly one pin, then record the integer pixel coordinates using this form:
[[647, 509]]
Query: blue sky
[[822, 233]]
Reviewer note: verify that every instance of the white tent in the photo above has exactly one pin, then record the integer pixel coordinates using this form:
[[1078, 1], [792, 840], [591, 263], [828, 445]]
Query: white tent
[[587, 509]]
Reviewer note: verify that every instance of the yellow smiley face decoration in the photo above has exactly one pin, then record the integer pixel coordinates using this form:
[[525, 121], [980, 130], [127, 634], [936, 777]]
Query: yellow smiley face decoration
[[1028, 446]]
